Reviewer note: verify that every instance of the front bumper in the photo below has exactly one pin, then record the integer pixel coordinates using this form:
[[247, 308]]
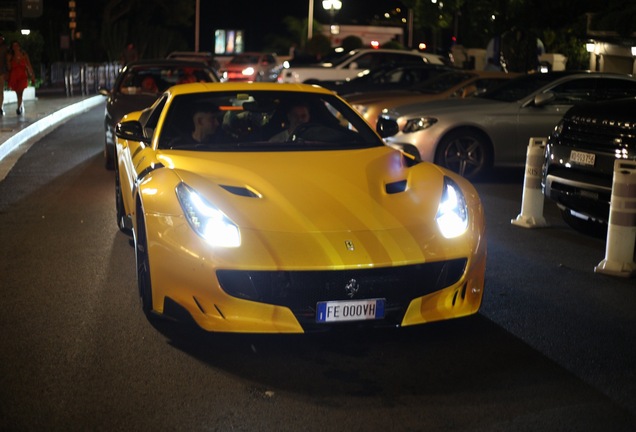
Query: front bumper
[[284, 300]]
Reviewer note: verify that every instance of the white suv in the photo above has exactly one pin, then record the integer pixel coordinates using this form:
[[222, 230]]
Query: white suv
[[349, 65]]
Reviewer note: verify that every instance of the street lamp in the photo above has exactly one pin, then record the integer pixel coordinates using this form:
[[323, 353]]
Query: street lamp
[[332, 6]]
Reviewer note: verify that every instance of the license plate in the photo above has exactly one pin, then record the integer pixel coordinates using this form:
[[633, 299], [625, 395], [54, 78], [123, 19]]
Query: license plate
[[350, 310], [582, 158]]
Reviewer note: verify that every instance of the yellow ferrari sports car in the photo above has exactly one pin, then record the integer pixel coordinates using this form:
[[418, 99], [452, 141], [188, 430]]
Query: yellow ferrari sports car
[[275, 208]]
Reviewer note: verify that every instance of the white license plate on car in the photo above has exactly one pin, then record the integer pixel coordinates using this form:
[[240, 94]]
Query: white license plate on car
[[350, 310], [582, 158]]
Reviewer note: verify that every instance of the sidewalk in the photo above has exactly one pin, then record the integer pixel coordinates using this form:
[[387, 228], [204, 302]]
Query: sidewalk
[[41, 115]]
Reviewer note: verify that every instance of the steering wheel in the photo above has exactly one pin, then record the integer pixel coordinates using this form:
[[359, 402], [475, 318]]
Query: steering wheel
[[299, 131]]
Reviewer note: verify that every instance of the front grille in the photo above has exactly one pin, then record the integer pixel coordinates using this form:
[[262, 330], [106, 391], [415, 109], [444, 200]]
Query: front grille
[[302, 290], [597, 133]]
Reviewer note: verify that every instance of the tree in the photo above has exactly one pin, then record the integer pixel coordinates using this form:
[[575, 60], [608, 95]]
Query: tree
[[134, 21]]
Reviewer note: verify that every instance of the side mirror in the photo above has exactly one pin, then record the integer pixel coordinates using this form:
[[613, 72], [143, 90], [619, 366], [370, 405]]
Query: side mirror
[[544, 98], [386, 127], [130, 130], [353, 65]]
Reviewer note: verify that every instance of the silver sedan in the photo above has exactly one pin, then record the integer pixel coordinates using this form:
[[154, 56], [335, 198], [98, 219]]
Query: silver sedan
[[470, 136]]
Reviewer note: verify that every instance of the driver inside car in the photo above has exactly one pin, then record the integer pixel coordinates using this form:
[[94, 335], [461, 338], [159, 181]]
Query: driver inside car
[[296, 115]]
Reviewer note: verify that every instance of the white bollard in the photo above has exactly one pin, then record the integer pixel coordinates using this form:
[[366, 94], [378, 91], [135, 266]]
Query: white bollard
[[621, 230], [531, 215]]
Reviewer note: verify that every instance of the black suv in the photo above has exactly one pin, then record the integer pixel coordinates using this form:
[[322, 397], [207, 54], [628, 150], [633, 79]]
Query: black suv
[[579, 159]]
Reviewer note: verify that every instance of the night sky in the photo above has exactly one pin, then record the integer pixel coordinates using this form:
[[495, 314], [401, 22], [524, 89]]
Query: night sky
[[259, 18]]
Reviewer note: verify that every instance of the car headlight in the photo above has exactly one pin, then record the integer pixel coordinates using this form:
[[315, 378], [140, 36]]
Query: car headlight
[[248, 71], [418, 124], [452, 213], [206, 220], [558, 129]]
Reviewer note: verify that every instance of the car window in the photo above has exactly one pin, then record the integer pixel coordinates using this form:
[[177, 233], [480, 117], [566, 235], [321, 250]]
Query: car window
[[615, 88], [368, 60], [443, 82], [574, 91], [395, 57], [254, 121], [156, 79], [519, 88], [396, 76]]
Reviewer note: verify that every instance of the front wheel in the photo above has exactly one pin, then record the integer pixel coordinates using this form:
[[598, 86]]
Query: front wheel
[[467, 153], [119, 208]]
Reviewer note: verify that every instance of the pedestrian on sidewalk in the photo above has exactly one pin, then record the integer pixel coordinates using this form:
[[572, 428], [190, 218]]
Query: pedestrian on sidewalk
[[20, 71], [4, 69]]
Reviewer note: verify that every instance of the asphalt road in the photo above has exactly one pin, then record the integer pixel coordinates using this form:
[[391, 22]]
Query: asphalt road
[[552, 349]]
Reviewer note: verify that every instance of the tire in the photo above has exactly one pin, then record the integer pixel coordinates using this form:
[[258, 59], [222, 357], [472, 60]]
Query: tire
[[119, 207], [466, 152], [109, 160], [143, 263], [109, 155]]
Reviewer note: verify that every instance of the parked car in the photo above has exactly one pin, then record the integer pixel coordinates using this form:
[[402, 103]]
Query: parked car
[[352, 63], [138, 85], [391, 76], [252, 66], [471, 135], [327, 229], [448, 85], [580, 155]]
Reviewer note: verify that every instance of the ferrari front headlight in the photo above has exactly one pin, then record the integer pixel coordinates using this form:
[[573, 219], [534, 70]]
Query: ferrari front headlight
[[418, 124], [452, 213], [206, 220]]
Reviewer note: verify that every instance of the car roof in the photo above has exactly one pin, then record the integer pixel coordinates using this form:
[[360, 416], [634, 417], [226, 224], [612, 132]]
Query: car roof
[[190, 54], [165, 62], [232, 86]]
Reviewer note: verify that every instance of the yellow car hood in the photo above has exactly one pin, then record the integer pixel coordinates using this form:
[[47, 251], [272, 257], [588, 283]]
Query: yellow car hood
[[313, 191]]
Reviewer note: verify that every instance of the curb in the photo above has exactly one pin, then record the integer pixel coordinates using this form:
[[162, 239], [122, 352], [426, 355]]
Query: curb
[[46, 124]]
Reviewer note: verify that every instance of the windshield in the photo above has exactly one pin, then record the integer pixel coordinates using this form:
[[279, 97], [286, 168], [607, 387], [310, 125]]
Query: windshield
[[154, 79], [341, 59], [518, 88], [263, 121], [245, 59], [443, 82]]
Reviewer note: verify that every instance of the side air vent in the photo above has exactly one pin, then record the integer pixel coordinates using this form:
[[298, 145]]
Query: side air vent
[[396, 187]]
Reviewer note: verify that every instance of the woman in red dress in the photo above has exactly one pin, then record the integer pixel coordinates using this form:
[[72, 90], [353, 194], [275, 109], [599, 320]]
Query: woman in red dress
[[20, 71]]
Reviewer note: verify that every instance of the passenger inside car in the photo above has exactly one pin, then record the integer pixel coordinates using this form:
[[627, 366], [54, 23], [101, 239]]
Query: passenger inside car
[[203, 129], [148, 85], [296, 115]]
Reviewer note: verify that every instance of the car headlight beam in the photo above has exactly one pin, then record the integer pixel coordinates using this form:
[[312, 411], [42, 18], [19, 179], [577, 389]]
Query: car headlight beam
[[452, 213], [206, 220]]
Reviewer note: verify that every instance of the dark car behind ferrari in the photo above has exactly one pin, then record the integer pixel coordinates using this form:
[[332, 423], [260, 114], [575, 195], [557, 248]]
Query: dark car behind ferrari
[[580, 155], [131, 93]]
